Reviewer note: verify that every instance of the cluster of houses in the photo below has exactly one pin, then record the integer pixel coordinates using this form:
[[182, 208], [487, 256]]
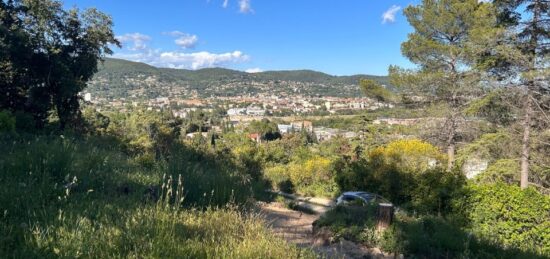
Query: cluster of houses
[[260, 105]]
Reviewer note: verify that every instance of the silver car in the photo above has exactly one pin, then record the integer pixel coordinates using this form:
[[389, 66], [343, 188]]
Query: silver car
[[360, 198]]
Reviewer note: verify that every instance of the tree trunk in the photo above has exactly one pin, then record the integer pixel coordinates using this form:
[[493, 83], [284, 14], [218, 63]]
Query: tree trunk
[[451, 145], [528, 109], [451, 156]]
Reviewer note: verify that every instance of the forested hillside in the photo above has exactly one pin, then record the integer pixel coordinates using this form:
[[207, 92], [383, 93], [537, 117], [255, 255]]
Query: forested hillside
[[120, 78]]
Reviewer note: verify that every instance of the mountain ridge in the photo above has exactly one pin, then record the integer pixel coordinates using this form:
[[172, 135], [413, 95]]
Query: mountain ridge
[[118, 78]]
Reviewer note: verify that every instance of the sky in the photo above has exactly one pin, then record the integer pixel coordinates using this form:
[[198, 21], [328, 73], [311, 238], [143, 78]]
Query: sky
[[338, 37]]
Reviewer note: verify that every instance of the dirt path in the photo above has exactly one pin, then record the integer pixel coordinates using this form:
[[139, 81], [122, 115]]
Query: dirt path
[[296, 227]]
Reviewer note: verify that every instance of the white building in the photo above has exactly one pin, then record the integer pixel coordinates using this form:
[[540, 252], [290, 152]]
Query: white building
[[236, 111], [284, 128], [255, 111]]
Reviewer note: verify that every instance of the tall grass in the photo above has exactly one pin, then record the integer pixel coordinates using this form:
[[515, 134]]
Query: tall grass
[[74, 197]]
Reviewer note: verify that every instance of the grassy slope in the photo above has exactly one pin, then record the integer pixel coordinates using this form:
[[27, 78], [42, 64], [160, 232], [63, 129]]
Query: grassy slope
[[67, 197]]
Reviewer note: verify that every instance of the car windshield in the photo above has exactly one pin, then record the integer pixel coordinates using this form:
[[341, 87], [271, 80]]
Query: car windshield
[[366, 196]]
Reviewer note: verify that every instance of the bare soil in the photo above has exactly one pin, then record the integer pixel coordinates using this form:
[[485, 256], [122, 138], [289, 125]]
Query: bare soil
[[296, 227]]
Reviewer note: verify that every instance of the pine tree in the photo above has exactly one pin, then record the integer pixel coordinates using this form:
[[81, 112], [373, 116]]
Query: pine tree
[[446, 43], [527, 64]]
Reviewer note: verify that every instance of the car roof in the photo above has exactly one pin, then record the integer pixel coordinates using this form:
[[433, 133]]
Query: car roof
[[357, 193], [363, 195]]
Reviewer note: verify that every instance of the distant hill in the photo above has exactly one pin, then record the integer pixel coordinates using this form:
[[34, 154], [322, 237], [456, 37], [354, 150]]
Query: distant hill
[[118, 78]]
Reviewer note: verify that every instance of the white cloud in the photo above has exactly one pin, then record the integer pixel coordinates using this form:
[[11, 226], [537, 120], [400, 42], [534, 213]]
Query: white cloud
[[187, 41], [183, 60], [245, 7], [254, 70], [138, 40], [225, 3], [199, 60], [140, 52], [389, 15], [184, 40]]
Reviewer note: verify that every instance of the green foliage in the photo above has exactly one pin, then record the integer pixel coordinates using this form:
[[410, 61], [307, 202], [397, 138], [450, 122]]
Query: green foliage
[[312, 176], [493, 107], [48, 55], [95, 121], [445, 45], [267, 129], [425, 236], [502, 170], [414, 156], [501, 151], [7, 122], [374, 90], [280, 178], [143, 131], [408, 173], [491, 146], [511, 217]]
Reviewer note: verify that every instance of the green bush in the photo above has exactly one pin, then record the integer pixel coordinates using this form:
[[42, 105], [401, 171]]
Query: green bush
[[511, 217], [7, 122], [280, 179], [502, 170]]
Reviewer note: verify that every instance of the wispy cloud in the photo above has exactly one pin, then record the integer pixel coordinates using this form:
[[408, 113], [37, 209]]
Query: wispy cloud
[[138, 41], [184, 40], [225, 3], [245, 7], [389, 15]]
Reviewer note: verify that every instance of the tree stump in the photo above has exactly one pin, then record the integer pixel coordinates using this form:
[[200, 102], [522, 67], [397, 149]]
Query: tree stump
[[385, 216]]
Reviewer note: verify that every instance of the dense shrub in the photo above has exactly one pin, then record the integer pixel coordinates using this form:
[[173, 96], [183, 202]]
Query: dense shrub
[[280, 179], [502, 170], [417, 237], [313, 176], [436, 237], [95, 121], [511, 217]]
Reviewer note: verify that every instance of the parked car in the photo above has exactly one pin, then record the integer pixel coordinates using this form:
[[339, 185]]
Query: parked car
[[360, 198]]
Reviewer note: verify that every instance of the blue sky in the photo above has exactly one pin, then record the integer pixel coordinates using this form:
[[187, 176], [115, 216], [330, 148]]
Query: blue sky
[[337, 37]]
